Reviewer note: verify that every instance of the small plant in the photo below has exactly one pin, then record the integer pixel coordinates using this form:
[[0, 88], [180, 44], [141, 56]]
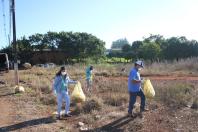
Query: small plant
[[45, 89], [92, 104]]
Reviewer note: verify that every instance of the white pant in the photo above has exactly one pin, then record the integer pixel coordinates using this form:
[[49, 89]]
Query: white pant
[[60, 96]]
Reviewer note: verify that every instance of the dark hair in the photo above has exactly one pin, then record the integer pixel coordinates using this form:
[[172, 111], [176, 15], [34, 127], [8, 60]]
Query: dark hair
[[59, 72], [91, 67]]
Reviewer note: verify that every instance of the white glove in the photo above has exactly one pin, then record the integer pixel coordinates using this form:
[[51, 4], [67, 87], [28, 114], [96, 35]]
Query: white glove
[[54, 92]]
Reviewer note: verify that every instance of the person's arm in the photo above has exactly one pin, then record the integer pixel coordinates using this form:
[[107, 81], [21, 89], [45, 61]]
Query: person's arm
[[136, 81], [71, 81], [55, 83], [134, 78]]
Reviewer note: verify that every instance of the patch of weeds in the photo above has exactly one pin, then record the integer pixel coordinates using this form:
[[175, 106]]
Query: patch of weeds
[[175, 95], [88, 119], [45, 89], [48, 100], [18, 94], [116, 99], [29, 90], [92, 104]]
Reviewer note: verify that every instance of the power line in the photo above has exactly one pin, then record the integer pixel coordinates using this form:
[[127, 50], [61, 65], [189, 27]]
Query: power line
[[4, 20], [10, 22]]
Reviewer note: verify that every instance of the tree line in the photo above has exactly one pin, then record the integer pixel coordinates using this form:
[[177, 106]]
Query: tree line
[[60, 47], [71, 45], [156, 47]]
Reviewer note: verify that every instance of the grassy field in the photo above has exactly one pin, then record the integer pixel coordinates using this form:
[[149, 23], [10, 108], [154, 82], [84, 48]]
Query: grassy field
[[174, 107]]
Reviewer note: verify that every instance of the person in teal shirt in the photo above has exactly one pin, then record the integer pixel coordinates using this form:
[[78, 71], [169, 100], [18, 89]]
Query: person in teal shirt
[[89, 77], [60, 86]]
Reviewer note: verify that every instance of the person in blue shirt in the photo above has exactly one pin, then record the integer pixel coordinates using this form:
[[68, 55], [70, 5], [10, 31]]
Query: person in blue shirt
[[89, 77], [60, 86], [134, 88]]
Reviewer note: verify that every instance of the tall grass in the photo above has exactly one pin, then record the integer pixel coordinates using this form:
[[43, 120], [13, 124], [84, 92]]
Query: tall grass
[[175, 93], [183, 66], [39, 80]]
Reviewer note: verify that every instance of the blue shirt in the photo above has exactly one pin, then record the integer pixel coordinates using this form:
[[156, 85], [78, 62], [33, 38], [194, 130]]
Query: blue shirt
[[88, 74], [61, 84], [134, 75]]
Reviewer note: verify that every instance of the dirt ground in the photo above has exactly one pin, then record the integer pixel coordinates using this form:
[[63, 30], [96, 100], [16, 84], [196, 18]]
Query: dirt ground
[[19, 113]]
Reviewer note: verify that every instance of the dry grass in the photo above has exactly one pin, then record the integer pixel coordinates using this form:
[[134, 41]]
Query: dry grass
[[109, 96], [175, 93], [116, 99], [183, 66]]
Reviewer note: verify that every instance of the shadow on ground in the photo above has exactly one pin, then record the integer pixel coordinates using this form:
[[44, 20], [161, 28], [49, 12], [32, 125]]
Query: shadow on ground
[[34, 122], [7, 94], [114, 126]]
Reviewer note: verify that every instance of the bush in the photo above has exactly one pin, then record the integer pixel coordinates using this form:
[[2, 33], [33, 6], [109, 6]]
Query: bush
[[45, 89], [92, 104]]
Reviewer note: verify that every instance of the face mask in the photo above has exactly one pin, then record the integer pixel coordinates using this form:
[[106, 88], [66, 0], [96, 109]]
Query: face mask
[[63, 73]]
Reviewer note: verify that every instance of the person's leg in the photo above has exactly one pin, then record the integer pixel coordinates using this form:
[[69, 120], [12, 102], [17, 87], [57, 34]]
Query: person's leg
[[88, 86], [132, 100], [143, 99], [59, 102], [67, 101]]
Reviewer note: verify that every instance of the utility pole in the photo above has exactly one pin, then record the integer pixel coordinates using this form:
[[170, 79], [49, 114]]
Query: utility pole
[[14, 44]]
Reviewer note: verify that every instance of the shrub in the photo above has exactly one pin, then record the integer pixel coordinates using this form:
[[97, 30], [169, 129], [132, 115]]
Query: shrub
[[92, 104], [45, 89]]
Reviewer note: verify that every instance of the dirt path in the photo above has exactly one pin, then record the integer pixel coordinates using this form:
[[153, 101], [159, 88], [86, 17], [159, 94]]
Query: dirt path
[[7, 110]]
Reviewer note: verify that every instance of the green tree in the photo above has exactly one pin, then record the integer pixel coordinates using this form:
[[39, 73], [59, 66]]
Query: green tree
[[127, 52], [37, 42], [25, 50], [118, 44], [51, 40], [150, 51], [136, 49]]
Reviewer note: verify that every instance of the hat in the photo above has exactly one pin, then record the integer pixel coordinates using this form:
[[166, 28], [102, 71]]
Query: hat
[[139, 63], [62, 68]]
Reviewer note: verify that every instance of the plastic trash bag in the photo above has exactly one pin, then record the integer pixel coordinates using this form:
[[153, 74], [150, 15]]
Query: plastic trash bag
[[149, 91], [78, 94]]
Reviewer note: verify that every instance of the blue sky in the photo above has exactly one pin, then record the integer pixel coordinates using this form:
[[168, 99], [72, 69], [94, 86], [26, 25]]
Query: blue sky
[[109, 20]]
